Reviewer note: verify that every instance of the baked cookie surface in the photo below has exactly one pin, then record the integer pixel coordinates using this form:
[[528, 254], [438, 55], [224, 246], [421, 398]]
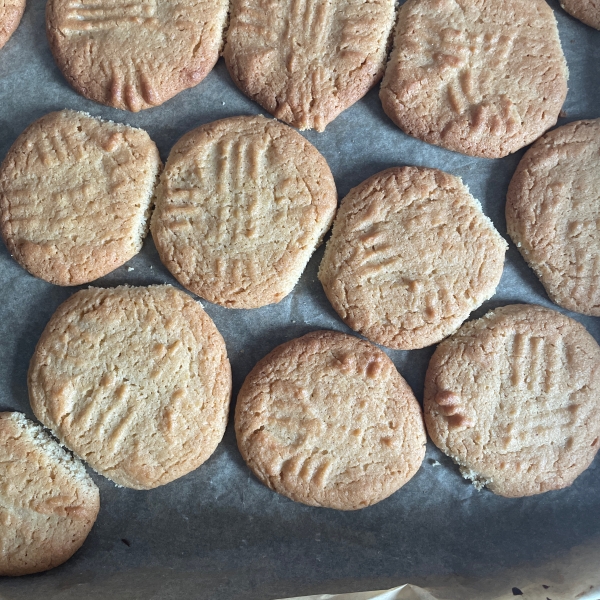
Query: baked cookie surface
[[553, 214], [478, 77], [48, 503], [326, 420], [134, 380], [241, 206], [306, 61], [135, 55], [512, 398], [410, 256], [587, 11], [75, 196], [11, 12]]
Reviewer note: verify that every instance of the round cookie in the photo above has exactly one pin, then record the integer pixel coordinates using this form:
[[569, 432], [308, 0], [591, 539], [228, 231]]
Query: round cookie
[[512, 398], [135, 55], [553, 214], [478, 77], [11, 12], [587, 11], [241, 206], [326, 420], [75, 196], [48, 503], [135, 380], [307, 62], [410, 256]]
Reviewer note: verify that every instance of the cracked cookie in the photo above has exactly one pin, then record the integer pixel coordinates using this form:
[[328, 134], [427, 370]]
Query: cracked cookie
[[305, 61], [48, 503], [134, 380], [478, 77], [327, 420], [410, 256], [75, 196], [11, 12], [512, 398], [135, 54], [553, 214], [241, 206]]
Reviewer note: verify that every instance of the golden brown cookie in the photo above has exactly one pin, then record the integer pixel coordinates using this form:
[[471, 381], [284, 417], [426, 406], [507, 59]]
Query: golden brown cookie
[[135, 380], [478, 77], [513, 399], [241, 206], [75, 196], [135, 54], [48, 503], [411, 255], [587, 11], [306, 61], [11, 12], [553, 214], [326, 420]]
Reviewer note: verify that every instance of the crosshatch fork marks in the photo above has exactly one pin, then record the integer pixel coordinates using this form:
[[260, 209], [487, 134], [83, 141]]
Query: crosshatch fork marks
[[130, 354], [530, 375], [238, 161], [131, 85], [535, 363], [235, 162], [92, 17], [543, 405], [309, 23]]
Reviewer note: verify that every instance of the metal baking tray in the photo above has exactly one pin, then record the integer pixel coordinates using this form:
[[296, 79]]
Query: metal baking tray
[[218, 533]]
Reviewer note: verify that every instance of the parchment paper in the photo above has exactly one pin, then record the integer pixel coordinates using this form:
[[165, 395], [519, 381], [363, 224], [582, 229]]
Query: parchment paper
[[218, 533]]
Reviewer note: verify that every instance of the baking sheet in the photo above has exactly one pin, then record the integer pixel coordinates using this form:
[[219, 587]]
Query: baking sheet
[[218, 533]]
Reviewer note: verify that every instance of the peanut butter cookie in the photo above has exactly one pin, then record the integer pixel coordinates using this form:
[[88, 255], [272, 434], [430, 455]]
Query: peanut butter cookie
[[11, 12], [478, 77], [411, 255], [135, 380], [512, 398], [587, 11], [553, 214], [48, 503], [326, 420], [306, 61], [135, 54], [241, 206], [75, 196]]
